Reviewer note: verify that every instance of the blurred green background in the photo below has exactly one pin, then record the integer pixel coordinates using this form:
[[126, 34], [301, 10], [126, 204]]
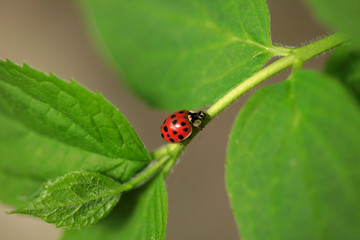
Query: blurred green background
[[51, 36]]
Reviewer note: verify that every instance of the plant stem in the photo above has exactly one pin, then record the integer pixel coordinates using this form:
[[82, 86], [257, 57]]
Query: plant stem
[[144, 175], [322, 45], [249, 83], [297, 56], [169, 165], [166, 150], [168, 154]]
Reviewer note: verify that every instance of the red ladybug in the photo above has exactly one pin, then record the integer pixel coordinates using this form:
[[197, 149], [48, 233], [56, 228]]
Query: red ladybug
[[178, 126]]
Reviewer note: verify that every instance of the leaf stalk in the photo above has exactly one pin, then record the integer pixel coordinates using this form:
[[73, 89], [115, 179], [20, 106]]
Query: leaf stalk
[[295, 58]]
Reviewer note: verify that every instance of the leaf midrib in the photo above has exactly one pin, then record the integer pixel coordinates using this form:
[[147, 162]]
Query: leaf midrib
[[208, 25], [313, 198], [78, 223], [101, 145], [110, 195]]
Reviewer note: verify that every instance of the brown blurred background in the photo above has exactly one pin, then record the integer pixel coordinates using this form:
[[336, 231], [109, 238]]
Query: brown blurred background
[[50, 35]]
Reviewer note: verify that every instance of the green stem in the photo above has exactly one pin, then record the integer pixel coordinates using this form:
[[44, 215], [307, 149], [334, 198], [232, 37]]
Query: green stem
[[249, 83], [322, 45], [145, 175], [166, 150], [169, 154], [297, 57], [169, 165]]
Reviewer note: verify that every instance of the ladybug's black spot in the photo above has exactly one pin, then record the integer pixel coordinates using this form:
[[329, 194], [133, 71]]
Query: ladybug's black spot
[[174, 122], [175, 132], [171, 140], [162, 135], [186, 129], [181, 137], [165, 129], [181, 112], [183, 123], [172, 116], [167, 135]]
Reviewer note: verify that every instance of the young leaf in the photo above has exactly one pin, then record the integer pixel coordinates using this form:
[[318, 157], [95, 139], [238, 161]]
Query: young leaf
[[140, 215], [28, 159], [293, 169], [76, 200], [344, 64], [67, 112], [183, 54], [341, 15]]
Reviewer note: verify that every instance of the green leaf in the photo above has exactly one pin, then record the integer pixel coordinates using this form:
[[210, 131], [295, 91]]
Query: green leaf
[[183, 54], [76, 200], [140, 215], [52, 127], [293, 168], [28, 159], [67, 112], [340, 15], [344, 64]]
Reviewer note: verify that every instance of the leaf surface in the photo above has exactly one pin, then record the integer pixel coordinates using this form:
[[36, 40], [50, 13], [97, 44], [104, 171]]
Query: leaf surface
[[29, 159], [52, 127], [293, 169], [140, 215], [183, 54], [67, 112], [75, 201]]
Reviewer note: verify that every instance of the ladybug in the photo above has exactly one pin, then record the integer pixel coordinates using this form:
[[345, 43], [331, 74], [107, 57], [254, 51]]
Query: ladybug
[[178, 126]]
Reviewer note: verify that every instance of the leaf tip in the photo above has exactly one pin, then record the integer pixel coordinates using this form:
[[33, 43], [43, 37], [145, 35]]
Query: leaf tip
[[14, 211]]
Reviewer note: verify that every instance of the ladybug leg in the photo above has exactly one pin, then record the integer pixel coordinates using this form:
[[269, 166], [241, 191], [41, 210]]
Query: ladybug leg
[[198, 127], [197, 124]]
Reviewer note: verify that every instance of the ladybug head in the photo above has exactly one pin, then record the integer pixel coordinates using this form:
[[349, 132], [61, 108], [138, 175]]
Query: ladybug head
[[201, 115], [195, 118]]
